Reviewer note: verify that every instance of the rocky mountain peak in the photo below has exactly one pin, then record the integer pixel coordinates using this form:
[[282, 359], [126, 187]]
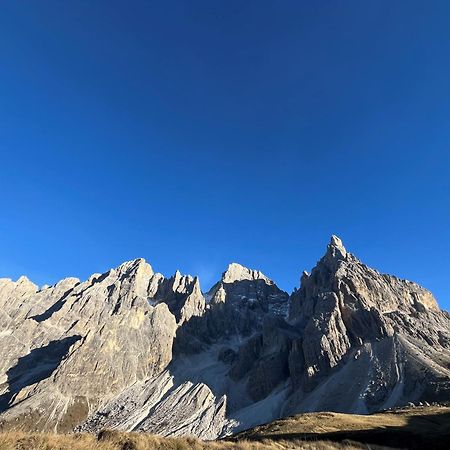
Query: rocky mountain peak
[[131, 349], [181, 293], [23, 280], [236, 272], [181, 283], [138, 265], [336, 248], [23, 286]]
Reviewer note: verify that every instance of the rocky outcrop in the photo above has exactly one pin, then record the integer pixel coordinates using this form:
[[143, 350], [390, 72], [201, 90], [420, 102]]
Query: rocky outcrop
[[183, 296], [237, 306], [243, 287], [81, 342], [155, 406], [345, 311], [130, 349]]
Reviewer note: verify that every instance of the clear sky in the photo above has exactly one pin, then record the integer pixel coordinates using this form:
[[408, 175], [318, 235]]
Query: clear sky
[[196, 133]]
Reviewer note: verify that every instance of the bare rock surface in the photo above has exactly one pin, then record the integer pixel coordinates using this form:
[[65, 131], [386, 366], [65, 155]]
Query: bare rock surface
[[132, 350], [80, 343], [183, 296]]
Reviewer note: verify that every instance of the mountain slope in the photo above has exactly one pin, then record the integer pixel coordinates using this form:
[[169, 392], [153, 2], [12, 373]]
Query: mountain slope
[[388, 335], [132, 350], [413, 428]]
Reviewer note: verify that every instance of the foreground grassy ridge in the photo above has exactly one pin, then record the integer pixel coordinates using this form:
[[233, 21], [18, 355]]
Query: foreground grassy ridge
[[16, 440], [413, 428]]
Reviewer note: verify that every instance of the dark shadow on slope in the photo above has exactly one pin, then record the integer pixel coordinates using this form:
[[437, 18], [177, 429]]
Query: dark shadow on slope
[[424, 431], [242, 314], [54, 308], [60, 303], [245, 338], [38, 365]]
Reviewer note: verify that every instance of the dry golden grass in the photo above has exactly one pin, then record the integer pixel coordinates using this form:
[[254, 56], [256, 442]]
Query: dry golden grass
[[413, 428], [109, 440], [427, 427]]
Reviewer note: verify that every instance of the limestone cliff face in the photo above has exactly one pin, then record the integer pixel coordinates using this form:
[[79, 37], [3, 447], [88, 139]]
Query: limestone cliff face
[[237, 305], [80, 342], [183, 296], [345, 311], [131, 349]]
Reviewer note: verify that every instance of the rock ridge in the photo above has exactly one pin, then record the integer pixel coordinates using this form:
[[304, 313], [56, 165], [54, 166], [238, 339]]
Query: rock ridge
[[131, 349]]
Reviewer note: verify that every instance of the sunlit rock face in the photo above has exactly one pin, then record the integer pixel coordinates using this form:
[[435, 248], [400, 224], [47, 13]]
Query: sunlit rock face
[[130, 349]]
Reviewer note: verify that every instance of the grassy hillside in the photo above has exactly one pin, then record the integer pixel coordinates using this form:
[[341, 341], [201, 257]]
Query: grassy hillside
[[414, 428], [133, 441]]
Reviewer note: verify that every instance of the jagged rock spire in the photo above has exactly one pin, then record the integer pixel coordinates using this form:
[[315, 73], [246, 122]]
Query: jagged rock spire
[[336, 248]]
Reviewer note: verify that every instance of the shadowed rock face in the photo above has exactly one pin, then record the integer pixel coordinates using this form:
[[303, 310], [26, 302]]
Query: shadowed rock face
[[38, 365], [183, 296], [130, 349]]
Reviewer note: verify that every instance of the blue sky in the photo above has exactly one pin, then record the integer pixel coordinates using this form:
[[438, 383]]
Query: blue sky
[[197, 133]]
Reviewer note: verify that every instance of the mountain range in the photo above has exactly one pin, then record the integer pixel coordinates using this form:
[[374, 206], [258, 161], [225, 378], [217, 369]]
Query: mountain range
[[132, 350]]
